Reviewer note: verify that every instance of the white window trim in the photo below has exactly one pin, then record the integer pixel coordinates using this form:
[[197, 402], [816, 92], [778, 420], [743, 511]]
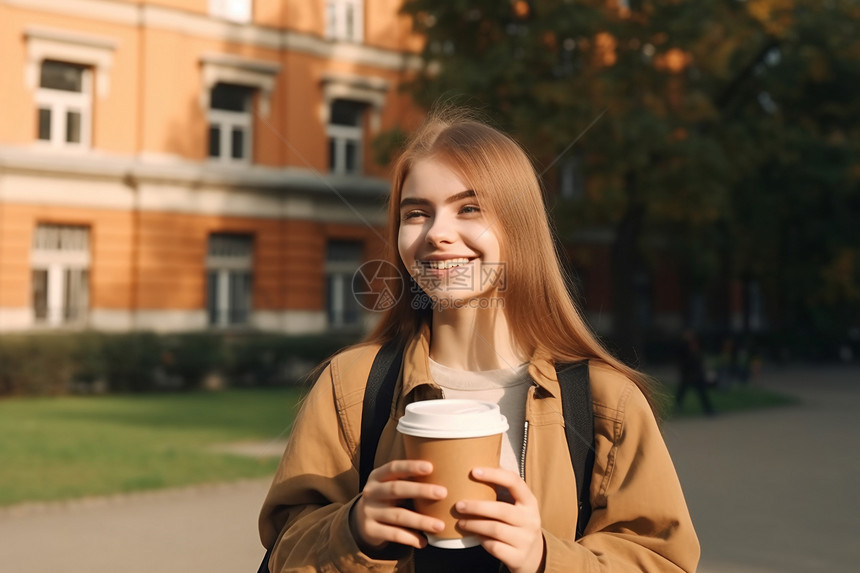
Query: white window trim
[[227, 120], [235, 263], [87, 50], [223, 266], [231, 10], [222, 68], [222, 305], [59, 102], [335, 23], [342, 134], [55, 262], [367, 90], [341, 273]]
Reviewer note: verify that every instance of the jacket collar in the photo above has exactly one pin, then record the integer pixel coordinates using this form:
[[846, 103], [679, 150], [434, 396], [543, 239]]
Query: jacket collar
[[542, 371], [416, 365], [416, 362]]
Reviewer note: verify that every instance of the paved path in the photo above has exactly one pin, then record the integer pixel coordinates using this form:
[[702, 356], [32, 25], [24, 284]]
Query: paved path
[[210, 529], [776, 491], [770, 492]]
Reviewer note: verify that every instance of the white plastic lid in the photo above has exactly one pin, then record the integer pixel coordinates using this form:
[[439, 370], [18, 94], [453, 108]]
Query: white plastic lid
[[452, 419]]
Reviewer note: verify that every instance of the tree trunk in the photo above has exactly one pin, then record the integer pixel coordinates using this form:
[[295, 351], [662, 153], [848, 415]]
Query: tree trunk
[[627, 335]]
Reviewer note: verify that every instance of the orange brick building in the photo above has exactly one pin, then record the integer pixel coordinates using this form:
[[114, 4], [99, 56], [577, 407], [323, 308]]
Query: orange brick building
[[185, 164]]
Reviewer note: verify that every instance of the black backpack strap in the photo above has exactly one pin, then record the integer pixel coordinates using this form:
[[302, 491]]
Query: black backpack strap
[[579, 429], [378, 398]]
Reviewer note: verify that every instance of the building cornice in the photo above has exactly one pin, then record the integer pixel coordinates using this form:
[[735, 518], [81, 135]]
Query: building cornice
[[174, 170], [204, 26]]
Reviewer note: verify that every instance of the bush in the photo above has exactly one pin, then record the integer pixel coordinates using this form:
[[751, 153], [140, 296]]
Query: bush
[[36, 364], [190, 358], [131, 361], [276, 359], [91, 362]]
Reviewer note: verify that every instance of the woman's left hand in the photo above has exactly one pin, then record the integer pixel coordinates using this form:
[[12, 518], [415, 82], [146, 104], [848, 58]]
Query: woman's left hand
[[511, 531]]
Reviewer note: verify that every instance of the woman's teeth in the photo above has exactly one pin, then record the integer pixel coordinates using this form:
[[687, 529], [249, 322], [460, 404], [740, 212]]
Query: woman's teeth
[[449, 264]]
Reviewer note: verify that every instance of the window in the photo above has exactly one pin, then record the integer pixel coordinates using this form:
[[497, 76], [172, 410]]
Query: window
[[64, 104], [230, 123], [350, 104], [233, 10], [571, 184], [344, 20], [60, 261], [228, 279], [342, 261], [66, 72], [345, 131]]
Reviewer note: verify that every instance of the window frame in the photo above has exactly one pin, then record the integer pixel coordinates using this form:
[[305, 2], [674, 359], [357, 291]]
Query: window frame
[[336, 21], [370, 92], [257, 75], [225, 269], [58, 264], [339, 275], [227, 121], [60, 103], [95, 54], [339, 136]]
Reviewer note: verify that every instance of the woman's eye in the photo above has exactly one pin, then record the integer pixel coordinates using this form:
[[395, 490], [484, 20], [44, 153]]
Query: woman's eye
[[470, 209], [413, 215]]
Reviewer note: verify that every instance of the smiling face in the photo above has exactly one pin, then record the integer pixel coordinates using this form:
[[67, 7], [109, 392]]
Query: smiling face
[[445, 240]]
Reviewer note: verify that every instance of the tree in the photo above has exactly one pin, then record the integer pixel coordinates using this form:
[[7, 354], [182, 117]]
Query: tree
[[797, 212], [683, 114]]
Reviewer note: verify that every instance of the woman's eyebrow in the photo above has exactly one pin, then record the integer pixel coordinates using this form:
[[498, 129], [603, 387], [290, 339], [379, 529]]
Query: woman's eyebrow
[[406, 201]]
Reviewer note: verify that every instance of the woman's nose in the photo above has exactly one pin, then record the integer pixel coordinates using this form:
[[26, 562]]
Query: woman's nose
[[440, 231]]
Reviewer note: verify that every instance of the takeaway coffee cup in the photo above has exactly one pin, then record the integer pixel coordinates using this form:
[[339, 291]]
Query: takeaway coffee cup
[[455, 436]]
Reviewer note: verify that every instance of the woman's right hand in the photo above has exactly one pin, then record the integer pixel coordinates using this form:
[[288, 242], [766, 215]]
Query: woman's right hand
[[378, 519]]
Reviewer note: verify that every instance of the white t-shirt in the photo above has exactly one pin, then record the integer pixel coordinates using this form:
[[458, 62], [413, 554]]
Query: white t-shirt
[[507, 387]]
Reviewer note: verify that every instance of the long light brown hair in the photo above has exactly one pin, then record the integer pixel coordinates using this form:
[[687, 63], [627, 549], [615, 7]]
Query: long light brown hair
[[537, 301]]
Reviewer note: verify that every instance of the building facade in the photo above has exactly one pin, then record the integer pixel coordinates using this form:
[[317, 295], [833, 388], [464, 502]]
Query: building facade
[[188, 164]]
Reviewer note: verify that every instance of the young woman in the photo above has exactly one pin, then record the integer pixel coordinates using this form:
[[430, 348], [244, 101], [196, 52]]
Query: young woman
[[469, 229]]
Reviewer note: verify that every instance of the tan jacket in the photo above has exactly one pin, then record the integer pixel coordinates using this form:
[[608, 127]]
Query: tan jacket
[[639, 521]]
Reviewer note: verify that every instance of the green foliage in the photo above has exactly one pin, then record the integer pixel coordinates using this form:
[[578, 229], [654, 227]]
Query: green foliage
[[262, 359], [727, 138], [130, 361], [39, 365], [191, 357], [93, 362], [387, 145]]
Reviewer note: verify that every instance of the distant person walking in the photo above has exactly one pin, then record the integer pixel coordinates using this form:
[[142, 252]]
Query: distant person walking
[[691, 365]]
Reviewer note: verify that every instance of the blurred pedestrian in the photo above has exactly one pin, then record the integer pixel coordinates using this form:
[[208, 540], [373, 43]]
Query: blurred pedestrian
[[691, 368]]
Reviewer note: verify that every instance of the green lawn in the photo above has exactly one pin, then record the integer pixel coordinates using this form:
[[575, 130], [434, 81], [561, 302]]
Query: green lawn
[[734, 399], [58, 448]]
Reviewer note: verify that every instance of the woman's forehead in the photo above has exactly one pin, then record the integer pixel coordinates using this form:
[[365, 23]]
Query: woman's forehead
[[433, 176]]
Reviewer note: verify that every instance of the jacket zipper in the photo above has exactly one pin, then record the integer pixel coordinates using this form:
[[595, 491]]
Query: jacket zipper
[[523, 452], [526, 433]]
